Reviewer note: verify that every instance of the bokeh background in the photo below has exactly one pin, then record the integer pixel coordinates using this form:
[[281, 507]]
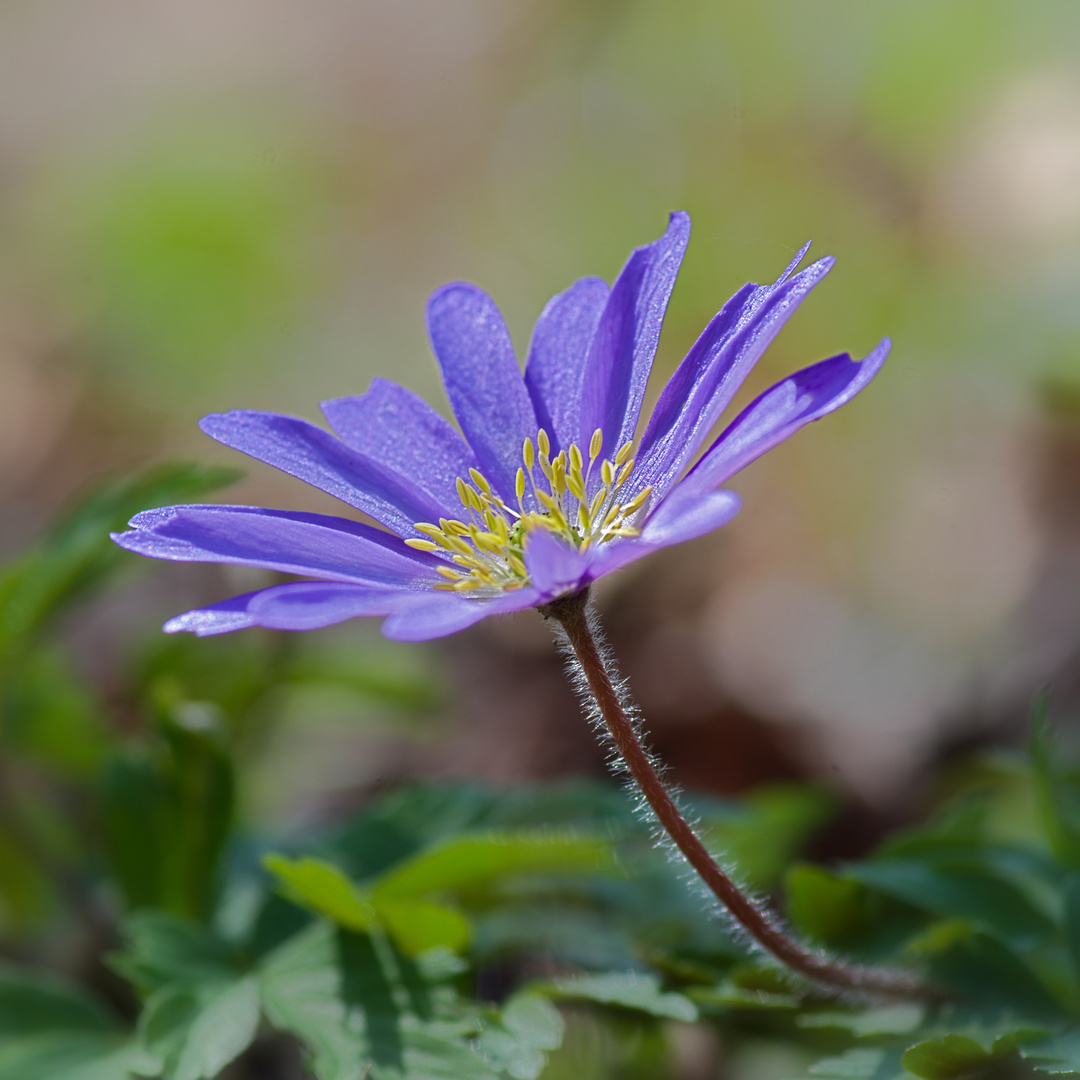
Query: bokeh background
[[208, 205]]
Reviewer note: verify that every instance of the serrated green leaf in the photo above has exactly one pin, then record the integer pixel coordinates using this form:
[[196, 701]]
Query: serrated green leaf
[[467, 863], [828, 907], [628, 990], [161, 949], [529, 1026], [222, 1029], [319, 885], [338, 996]]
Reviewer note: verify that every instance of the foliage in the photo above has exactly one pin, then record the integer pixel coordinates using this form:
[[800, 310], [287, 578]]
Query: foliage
[[451, 930]]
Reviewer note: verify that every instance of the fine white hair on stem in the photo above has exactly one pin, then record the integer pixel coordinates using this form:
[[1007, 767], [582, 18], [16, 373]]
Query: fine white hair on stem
[[619, 768]]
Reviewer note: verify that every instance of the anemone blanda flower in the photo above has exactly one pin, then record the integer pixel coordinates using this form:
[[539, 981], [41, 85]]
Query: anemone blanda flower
[[541, 492]]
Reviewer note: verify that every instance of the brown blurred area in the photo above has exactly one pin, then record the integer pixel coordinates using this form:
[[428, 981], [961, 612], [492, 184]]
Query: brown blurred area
[[215, 205]]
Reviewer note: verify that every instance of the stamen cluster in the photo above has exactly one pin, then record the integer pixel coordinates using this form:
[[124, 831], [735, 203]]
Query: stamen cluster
[[488, 546]]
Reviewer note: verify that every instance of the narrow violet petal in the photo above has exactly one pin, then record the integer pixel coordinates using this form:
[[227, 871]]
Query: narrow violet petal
[[780, 412], [622, 351], [311, 605], [437, 614], [316, 457], [554, 567], [295, 543], [401, 431], [714, 369], [482, 380], [556, 364], [681, 516], [220, 618]]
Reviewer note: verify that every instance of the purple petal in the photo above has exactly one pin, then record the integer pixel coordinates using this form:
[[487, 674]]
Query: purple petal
[[316, 457], [482, 379], [325, 547], [556, 364], [780, 412], [683, 515], [311, 605], [621, 355], [219, 618], [437, 614], [713, 371], [393, 426], [554, 567]]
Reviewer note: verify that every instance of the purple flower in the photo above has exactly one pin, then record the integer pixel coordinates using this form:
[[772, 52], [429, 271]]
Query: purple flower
[[543, 494]]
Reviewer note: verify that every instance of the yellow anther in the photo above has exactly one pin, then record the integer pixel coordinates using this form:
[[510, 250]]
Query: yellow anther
[[517, 564], [457, 528], [545, 466], [480, 480], [597, 502], [595, 444], [558, 476], [624, 452], [609, 517], [423, 545], [462, 491], [624, 472], [527, 454], [576, 485], [637, 501], [583, 517], [519, 484], [624, 530], [543, 442], [575, 457], [448, 573]]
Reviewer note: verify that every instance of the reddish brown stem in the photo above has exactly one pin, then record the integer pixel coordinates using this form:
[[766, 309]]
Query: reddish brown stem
[[571, 614]]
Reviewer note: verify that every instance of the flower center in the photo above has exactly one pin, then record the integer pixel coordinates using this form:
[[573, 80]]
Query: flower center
[[553, 494]]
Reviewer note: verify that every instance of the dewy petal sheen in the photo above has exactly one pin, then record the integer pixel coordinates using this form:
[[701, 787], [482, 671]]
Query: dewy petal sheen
[[541, 491]]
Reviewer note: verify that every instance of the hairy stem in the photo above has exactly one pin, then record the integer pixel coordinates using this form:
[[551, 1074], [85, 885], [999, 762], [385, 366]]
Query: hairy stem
[[571, 613]]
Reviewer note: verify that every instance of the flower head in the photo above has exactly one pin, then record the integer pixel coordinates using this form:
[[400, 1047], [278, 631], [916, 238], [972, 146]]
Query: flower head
[[542, 491]]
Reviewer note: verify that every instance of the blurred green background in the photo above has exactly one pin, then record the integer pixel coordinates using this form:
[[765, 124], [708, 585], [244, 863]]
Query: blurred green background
[[212, 205], [245, 203]]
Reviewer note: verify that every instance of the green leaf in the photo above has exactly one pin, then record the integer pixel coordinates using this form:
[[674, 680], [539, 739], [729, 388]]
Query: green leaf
[[900, 1019], [518, 1043], [828, 907], [946, 1058], [419, 925], [31, 1002], [77, 554], [862, 1063], [168, 810], [470, 863], [73, 1057], [162, 949], [1071, 897], [957, 891], [627, 990], [767, 829], [337, 992], [323, 888], [1058, 794], [223, 1029], [1059, 1055]]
